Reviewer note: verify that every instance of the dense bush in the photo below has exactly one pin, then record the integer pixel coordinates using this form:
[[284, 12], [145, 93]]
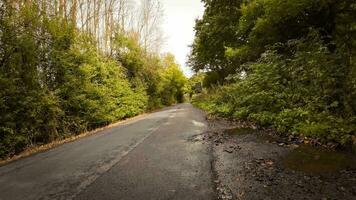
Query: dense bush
[[300, 94], [294, 70], [55, 82]]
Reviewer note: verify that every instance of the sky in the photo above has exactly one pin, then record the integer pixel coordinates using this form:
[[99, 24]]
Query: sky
[[178, 28]]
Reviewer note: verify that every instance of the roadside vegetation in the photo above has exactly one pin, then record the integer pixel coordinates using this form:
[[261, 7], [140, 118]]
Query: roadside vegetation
[[289, 65], [67, 67]]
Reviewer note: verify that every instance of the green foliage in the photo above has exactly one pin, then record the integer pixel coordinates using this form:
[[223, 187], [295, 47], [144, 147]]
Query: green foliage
[[213, 33], [54, 82], [160, 78], [195, 84], [294, 69], [102, 82], [172, 83]]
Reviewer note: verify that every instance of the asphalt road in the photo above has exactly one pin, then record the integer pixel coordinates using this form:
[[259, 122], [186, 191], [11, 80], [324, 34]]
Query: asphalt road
[[151, 157]]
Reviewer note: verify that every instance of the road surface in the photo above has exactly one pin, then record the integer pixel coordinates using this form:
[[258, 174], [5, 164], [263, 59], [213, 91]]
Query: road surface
[[151, 157]]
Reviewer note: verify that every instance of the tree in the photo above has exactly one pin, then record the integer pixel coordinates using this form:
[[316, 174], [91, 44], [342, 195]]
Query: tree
[[213, 33], [69, 66], [289, 65], [173, 81]]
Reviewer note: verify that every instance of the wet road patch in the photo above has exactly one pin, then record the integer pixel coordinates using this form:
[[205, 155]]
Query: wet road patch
[[240, 131], [314, 160]]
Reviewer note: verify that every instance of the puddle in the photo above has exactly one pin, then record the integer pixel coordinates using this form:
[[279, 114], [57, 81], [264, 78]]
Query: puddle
[[264, 137], [261, 136], [314, 160], [240, 131]]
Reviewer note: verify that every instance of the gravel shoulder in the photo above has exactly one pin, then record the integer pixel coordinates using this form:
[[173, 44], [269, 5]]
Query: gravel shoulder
[[251, 164]]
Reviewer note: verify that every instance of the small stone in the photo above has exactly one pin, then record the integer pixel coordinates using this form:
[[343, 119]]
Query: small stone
[[269, 162], [290, 138], [237, 147], [341, 189], [299, 184], [228, 150], [259, 179]]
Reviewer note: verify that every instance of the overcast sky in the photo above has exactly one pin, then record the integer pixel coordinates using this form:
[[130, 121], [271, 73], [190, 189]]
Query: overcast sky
[[178, 27]]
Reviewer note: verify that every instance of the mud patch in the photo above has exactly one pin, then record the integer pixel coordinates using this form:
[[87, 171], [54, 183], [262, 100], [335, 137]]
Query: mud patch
[[240, 131], [313, 160], [264, 137]]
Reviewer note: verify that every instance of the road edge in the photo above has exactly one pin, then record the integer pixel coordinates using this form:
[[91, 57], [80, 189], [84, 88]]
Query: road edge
[[45, 147]]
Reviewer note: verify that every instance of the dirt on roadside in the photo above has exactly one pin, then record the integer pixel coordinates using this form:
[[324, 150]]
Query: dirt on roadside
[[253, 164]]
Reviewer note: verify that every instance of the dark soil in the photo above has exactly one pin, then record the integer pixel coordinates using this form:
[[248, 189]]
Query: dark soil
[[250, 163]]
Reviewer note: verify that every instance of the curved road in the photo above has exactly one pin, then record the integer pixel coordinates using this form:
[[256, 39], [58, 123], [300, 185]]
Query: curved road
[[151, 157]]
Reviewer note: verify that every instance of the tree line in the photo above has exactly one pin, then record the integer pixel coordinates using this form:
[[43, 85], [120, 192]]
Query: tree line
[[68, 66], [286, 64]]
